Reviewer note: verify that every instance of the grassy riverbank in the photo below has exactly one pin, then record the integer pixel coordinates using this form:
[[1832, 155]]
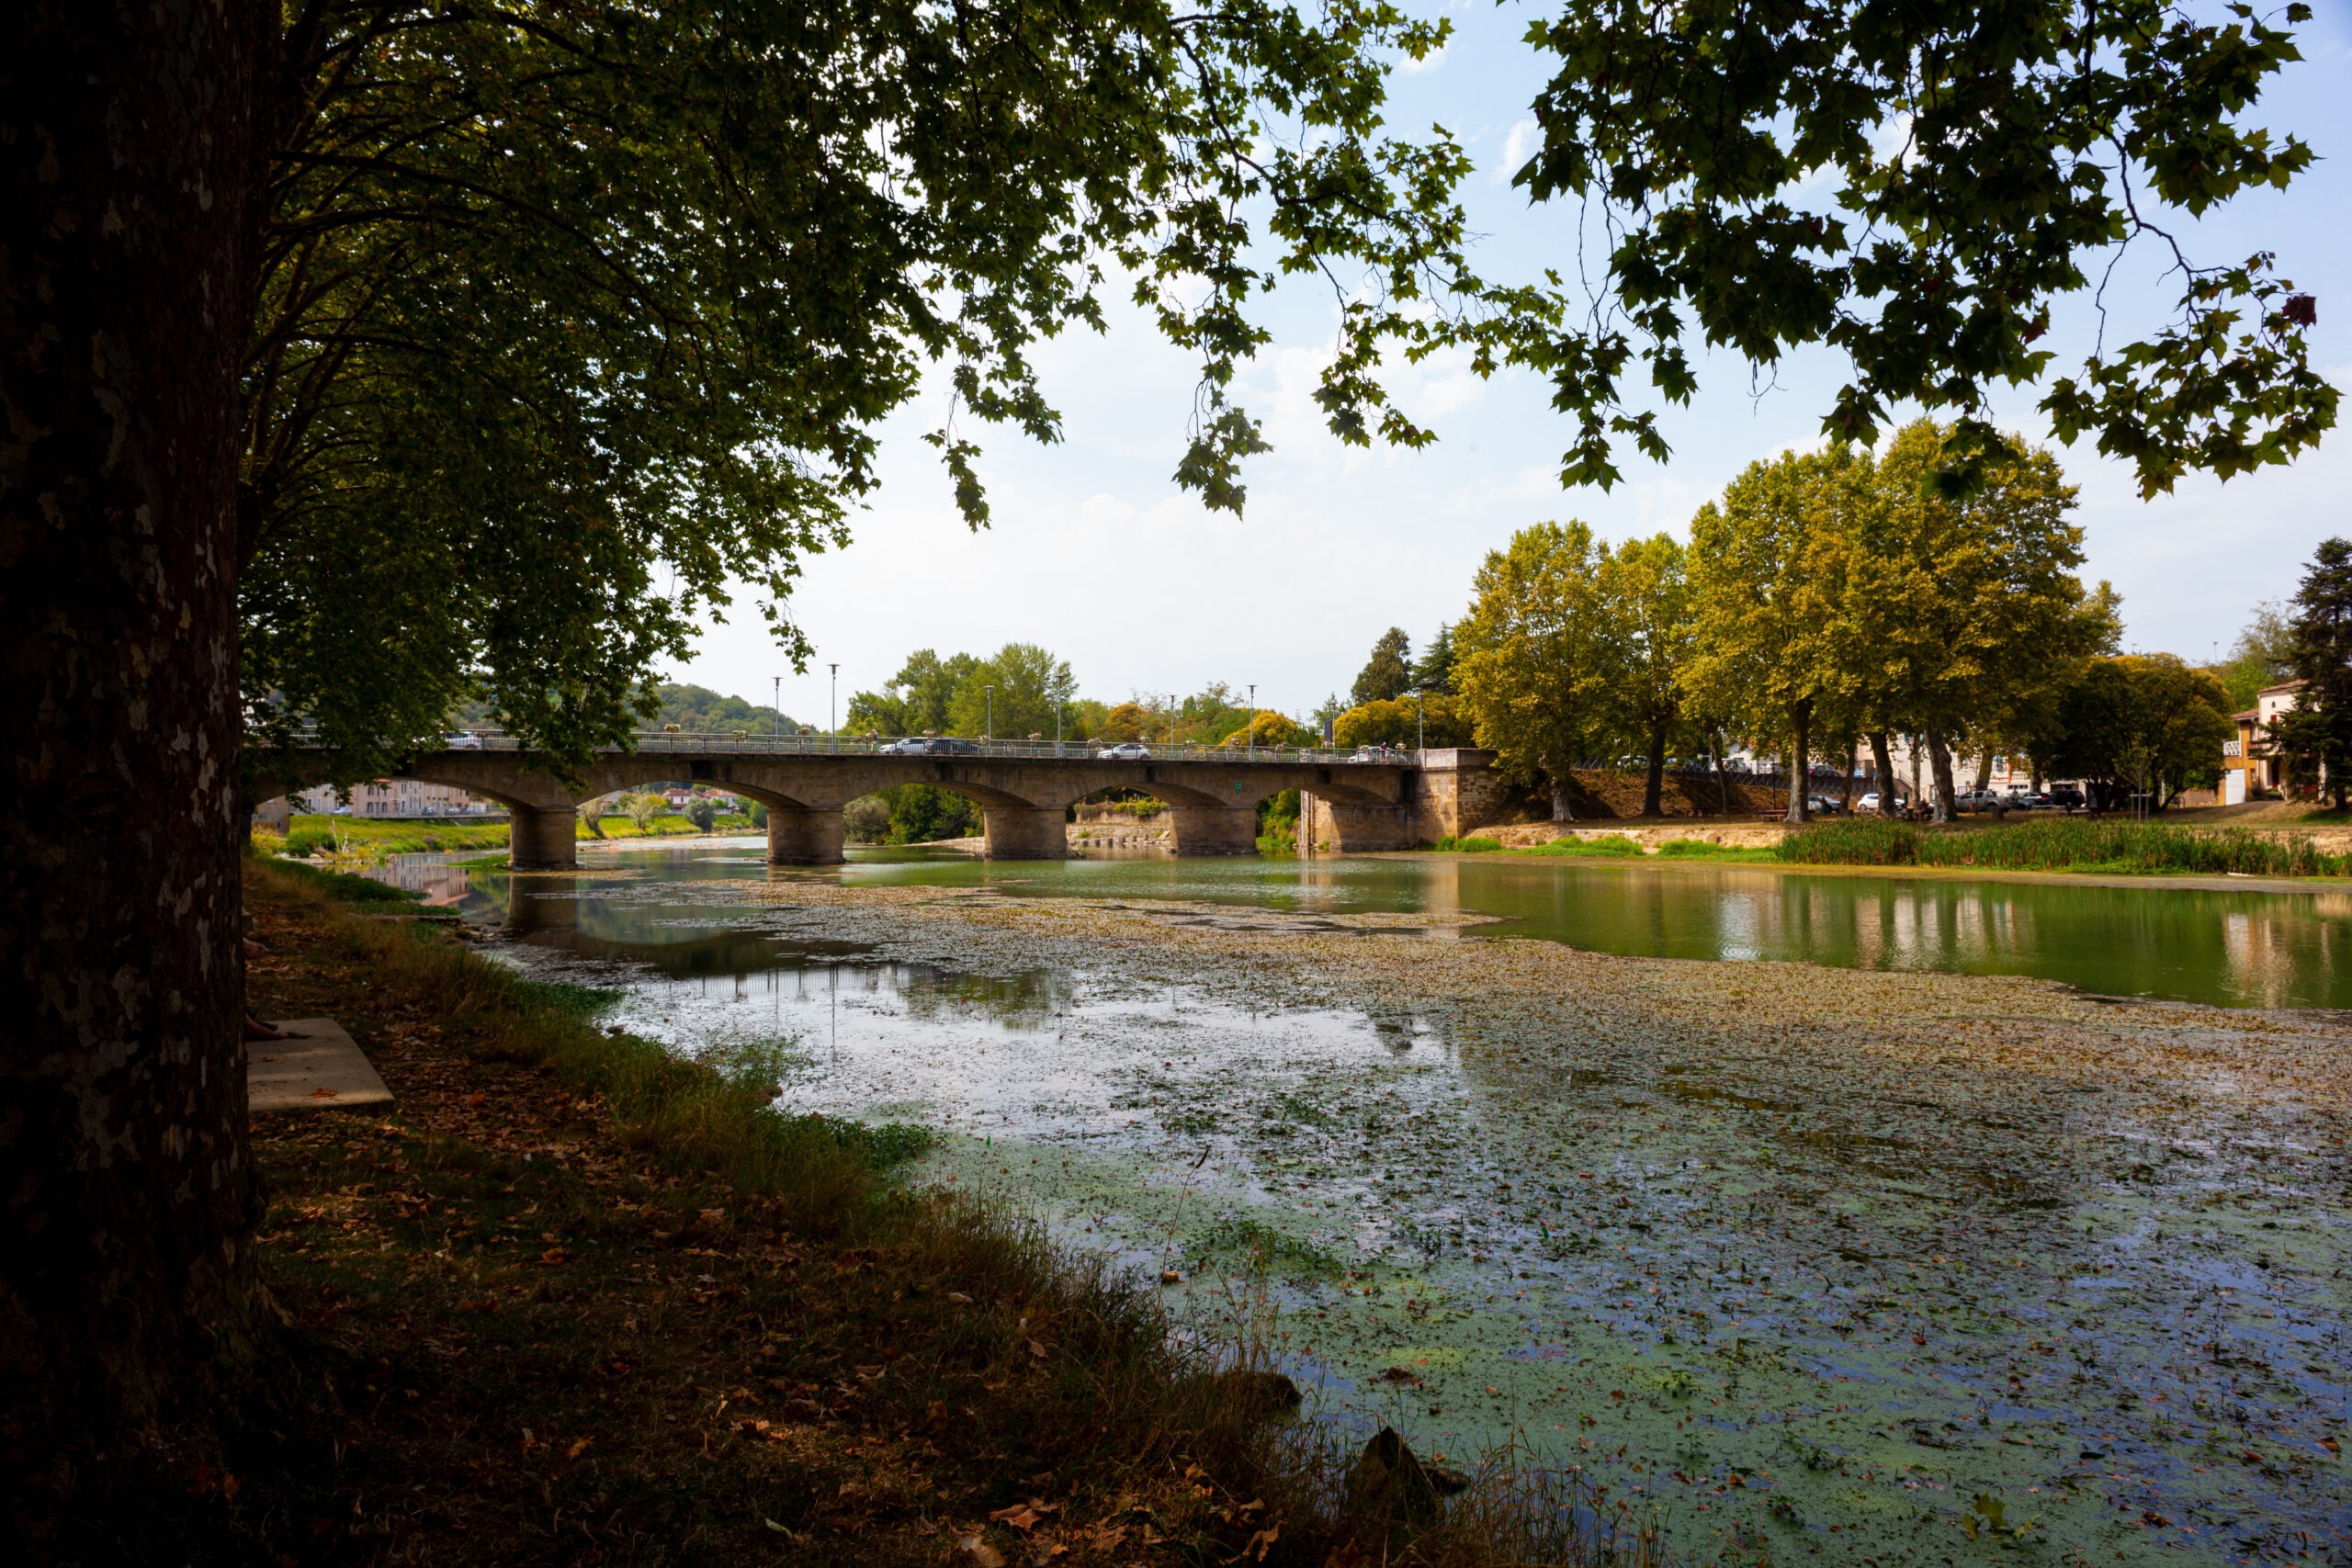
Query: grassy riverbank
[[577, 1298]]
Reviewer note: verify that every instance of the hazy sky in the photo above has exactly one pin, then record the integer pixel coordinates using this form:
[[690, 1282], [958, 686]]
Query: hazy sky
[[1096, 553]]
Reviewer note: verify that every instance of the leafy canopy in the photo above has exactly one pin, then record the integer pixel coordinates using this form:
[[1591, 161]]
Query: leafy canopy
[[570, 313], [1529, 661], [1915, 182]]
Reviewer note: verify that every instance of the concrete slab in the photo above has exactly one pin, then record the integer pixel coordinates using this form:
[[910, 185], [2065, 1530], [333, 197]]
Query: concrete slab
[[318, 1066]]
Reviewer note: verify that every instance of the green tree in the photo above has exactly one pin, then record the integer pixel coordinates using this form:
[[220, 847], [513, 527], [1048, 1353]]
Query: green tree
[[1644, 599], [1531, 660], [921, 814], [1388, 672], [2141, 723], [2263, 654], [917, 700], [560, 327], [1030, 682], [1767, 587], [2316, 733], [2037, 140], [702, 814], [1961, 616]]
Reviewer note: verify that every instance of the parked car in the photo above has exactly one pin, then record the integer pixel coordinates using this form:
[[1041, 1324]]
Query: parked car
[[1867, 801], [2065, 797], [1125, 751], [1984, 800], [948, 746], [1373, 754], [912, 746], [1823, 805], [462, 741]]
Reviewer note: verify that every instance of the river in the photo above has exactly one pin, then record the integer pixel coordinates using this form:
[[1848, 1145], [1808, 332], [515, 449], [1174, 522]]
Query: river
[[1922, 1214]]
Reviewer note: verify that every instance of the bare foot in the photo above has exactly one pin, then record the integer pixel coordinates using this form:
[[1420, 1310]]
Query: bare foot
[[256, 1029]]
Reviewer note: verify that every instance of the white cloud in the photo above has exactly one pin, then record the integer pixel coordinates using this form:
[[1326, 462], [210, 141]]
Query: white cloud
[[1518, 145]]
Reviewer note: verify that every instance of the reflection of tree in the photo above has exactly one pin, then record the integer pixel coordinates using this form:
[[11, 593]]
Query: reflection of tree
[[1018, 1001]]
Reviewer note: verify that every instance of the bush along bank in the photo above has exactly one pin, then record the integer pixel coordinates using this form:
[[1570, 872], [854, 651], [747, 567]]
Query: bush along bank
[[573, 1275], [2070, 844]]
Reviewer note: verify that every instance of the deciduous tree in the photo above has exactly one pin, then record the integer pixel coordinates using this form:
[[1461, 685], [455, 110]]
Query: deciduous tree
[[566, 318], [1031, 685], [1961, 616], [2141, 723], [1918, 184], [1767, 587], [129, 185], [1644, 595], [1531, 659]]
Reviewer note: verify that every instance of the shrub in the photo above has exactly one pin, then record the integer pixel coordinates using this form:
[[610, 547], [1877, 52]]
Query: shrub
[[2059, 844], [1470, 846], [1858, 840]]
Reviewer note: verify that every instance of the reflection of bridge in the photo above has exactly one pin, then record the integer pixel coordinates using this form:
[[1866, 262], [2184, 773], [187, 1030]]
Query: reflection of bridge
[[1024, 790]]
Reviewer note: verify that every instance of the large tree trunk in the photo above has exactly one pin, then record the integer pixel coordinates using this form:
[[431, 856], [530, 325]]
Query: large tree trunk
[[128, 148], [1939, 763], [1800, 762], [1723, 779], [1653, 786], [1882, 758], [1560, 809]]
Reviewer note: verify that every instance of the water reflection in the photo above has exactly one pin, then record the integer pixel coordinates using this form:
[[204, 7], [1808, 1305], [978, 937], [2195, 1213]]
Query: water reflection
[[2158, 939]]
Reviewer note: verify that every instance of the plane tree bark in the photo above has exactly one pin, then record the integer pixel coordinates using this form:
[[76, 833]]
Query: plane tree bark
[[127, 182]]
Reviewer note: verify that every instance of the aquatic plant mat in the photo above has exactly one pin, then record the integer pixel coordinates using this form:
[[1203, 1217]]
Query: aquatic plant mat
[[578, 1300], [1796, 1264]]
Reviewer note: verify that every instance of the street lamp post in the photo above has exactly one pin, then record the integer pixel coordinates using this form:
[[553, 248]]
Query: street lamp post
[[775, 713], [990, 737], [834, 707], [1253, 721], [1421, 724]]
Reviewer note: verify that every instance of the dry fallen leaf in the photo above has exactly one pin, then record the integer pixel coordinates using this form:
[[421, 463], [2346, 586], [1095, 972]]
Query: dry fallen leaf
[[980, 1551], [1036, 1350], [580, 1446], [1024, 1516]]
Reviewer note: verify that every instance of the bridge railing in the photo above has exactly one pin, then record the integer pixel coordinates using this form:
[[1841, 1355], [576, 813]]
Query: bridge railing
[[755, 743]]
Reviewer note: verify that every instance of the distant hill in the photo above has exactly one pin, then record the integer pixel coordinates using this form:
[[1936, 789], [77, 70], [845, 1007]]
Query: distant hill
[[699, 707], [688, 707]]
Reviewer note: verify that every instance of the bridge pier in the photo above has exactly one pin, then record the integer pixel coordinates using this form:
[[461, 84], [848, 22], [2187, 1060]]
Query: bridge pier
[[804, 836], [542, 838], [1213, 830], [1026, 832]]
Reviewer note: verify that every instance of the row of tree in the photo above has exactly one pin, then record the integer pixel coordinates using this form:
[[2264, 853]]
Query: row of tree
[[1022, 690], [1830, 601]]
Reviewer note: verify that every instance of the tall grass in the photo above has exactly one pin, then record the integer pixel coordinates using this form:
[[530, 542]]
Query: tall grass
[[2060, 844]]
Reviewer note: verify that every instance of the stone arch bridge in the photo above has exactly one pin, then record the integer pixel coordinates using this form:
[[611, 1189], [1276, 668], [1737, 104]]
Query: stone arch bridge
[[1024, 790]]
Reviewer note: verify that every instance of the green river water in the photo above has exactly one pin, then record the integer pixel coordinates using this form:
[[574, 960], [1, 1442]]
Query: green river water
[[1994, 1326]]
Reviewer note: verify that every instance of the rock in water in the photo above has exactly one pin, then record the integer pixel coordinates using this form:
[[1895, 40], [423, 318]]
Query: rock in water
[[1389, 1482]]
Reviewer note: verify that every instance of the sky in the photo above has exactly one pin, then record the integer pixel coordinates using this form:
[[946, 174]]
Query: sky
[[1094, 551]]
